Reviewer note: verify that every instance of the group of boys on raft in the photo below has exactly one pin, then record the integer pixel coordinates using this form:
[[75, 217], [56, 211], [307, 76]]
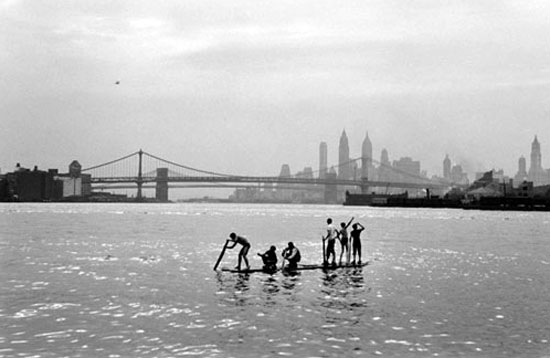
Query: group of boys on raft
[[292, 255]]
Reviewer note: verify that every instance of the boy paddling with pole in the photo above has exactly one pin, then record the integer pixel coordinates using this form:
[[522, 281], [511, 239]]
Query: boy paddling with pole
[[236, 239], [233, 240], [221, 255]]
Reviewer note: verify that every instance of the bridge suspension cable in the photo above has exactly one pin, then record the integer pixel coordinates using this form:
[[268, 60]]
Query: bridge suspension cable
[[111, 162], [187, 167]]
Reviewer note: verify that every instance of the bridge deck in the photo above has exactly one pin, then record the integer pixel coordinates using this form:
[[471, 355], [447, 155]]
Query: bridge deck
[[271, 180]]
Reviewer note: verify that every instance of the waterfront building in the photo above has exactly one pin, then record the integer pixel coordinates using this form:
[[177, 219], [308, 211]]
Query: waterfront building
[[75, 169], [71, 186], [485, 185], [38, 185], [497, 176], [323, 159], [30, 185], [75, 184], [344, 167]]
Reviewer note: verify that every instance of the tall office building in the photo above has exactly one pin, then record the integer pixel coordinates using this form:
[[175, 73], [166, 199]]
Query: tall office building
[[536, 157], [458, 176], [366, 158], [384, 171], [521, 175], [344, 167], [447, 167], [536, 173], [282, 193], [406, 170], [323, 154], [285, 171]]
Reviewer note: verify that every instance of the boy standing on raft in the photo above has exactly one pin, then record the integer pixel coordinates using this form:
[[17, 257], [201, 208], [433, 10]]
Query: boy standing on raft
[[344, 242], [332, 235], [244, 251], [356, 241]]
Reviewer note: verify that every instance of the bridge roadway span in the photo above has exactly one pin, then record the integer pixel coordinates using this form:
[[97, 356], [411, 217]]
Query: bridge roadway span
[[273, 180]]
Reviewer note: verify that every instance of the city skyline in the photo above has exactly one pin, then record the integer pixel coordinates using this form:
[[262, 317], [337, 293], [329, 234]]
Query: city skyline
[[405, 173], [367, 158], [244, 88], [345, 159]]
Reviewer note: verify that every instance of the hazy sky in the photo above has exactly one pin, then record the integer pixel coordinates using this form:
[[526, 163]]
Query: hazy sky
[[245, 86]]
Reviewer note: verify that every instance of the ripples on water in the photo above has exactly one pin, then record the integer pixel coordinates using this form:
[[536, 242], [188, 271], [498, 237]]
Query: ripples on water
[[116, 280]]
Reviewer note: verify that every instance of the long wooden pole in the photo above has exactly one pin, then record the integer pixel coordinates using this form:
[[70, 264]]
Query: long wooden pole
[[324, 255], [348, 253], [221, 255]]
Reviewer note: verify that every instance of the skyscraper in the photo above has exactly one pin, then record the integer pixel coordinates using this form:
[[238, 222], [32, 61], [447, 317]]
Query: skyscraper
[[406, 169], [521, 175], [366, 158], [447, 167], [384, 171], [536, 157], [323, 154], [284, 194], [344, 167], [522, 165], [285, 171], [536, 173], [458, 176]]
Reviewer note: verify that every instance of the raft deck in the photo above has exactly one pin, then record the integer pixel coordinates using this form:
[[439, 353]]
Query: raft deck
[[300, 267]]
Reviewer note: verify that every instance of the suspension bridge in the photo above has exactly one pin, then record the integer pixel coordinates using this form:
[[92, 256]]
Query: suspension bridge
[[140, 170]]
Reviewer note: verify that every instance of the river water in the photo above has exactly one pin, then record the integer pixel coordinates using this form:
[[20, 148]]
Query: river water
[[136, 280]]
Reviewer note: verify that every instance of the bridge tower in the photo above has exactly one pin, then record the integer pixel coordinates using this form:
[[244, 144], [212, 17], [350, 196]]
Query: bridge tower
[[161, 191], [331, 190], [139, 181]]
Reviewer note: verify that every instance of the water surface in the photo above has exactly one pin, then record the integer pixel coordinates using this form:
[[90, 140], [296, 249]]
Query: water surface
[[127, 280]]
